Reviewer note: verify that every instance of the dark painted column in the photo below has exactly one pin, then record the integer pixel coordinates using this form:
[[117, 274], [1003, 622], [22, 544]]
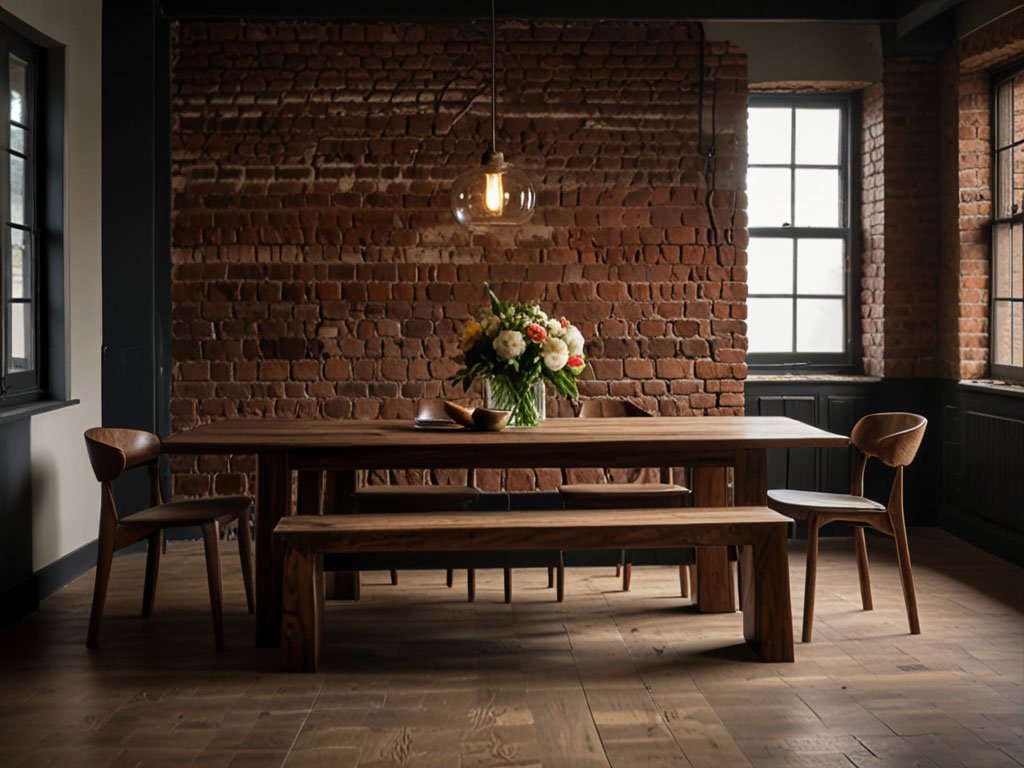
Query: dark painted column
[[136, 224]]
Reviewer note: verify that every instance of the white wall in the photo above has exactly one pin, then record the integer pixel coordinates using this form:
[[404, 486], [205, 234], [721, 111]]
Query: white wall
[[779, 51], [65, 494]]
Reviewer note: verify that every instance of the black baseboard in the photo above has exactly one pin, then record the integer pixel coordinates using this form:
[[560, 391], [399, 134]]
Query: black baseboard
[[995, 539], [24, 597]]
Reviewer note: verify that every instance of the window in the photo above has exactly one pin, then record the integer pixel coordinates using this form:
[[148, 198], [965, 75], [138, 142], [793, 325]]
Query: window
[[798, 198], [32, 335], [1007, 340]]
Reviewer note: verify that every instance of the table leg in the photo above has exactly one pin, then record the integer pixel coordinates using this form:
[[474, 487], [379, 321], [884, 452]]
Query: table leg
[[273, 501], [341, 485], [714, 576], [751, 490], [767, 613], [302, 615]]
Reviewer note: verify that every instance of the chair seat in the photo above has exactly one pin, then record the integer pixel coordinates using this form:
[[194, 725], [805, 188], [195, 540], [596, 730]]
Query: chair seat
[[628, 494], [415, 498], [176, 514], [802, 502]]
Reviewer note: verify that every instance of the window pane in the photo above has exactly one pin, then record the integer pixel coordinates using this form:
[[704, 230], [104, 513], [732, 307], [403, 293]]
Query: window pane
[[819, 325], [1018, 108], [768, 197], [17, 189], [817, 136], [1017, 261], [1017, 332], [1004, 114], [817, 198], [19, 90], [820, 267], [18, 139], [1001, 267], [770, 325], [1018, 178], [1001, 334], [20, 337], [769, 135], [770, 265], [21, 264], [1004, 184]]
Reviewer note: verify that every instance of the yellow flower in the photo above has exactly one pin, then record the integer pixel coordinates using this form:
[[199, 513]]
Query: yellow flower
[[471, 334]]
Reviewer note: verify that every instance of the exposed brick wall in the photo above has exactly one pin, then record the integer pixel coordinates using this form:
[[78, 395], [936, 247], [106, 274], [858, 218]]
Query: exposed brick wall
[[317, 270], [899, 283], [966, 192]]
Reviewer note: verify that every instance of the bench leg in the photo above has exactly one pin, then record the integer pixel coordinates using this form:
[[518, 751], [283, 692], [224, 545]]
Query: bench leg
[[302, 618], [767, 614]]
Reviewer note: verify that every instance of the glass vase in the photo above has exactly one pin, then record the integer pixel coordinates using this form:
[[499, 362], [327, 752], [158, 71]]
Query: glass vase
[[526, 401]]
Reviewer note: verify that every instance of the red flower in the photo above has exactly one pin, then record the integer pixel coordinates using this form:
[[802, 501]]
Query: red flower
[[564, 322], [536, 333], [575, 364]]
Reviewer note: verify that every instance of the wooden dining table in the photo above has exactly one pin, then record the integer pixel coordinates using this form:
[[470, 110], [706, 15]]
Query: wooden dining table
[[709, 445]]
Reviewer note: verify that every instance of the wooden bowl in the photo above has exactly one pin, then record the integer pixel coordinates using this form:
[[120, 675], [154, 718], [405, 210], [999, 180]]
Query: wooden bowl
[[460, 414], [489, 420]]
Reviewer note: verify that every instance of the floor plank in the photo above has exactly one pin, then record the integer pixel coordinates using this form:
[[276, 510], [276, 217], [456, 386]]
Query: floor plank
[[415, 676]]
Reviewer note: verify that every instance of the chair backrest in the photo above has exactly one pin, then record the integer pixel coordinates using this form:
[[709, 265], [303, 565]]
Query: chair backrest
[[610, 408], [893, 438], [614, 408], [112, 451]]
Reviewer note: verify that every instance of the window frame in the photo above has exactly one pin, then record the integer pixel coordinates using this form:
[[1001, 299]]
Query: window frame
[[1015, 221], [17, 388], [51, 385], [848, 361]]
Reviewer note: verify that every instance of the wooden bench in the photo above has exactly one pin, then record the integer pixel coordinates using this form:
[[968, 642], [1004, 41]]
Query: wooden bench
[[760, 533]]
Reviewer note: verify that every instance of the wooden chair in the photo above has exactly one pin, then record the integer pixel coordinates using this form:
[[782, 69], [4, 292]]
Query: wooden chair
[[388, 498], [893, 438], [619, 495], [111, 452]]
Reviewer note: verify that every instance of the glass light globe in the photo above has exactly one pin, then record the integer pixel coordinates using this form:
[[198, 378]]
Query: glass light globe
[[493, 195]]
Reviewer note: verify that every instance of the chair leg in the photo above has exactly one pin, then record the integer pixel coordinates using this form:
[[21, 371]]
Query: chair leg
[[812, 573], [861, 545], [155, 546], [104, 558], [906, 575], [245, 555], [560, 580], [394, 577], [211, 541], [471, 585], [618, 565], [449, 577], [508, 585], [684, 580], [551, 576], [627, 571]]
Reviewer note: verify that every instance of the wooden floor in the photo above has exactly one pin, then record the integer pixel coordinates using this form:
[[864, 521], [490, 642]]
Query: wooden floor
[[415, 676]]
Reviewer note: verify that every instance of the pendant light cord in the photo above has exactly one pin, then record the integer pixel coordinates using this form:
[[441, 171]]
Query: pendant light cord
[[494, 79]]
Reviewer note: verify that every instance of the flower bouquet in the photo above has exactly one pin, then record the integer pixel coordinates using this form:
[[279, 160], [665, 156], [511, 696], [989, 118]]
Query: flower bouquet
[[514, 348]]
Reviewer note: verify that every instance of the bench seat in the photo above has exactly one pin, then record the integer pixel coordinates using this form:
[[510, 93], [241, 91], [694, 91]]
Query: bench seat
[[760, 533]]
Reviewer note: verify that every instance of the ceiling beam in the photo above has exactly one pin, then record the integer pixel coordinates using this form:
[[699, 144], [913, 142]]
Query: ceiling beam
[[703, 10], [922, 14]]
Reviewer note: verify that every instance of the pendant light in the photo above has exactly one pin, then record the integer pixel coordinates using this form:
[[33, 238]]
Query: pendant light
[[495, 194]]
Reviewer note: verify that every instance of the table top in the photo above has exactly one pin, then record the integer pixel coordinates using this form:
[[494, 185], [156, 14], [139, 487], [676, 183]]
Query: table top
[[554, 443]]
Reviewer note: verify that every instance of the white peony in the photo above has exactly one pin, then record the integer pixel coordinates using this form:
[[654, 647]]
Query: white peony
[[509, 344], [573, 340], [553, 327], [555, 353]]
